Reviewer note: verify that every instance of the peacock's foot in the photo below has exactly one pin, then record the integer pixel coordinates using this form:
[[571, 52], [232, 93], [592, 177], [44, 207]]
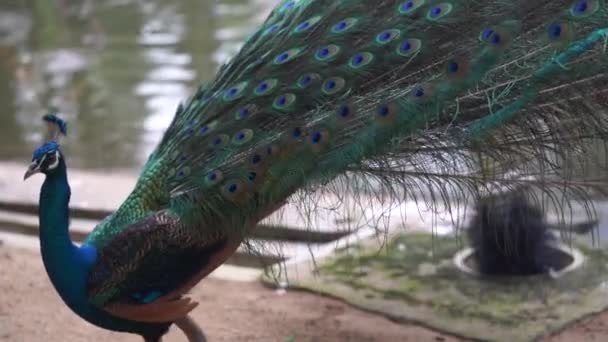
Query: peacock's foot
[[191, 329]]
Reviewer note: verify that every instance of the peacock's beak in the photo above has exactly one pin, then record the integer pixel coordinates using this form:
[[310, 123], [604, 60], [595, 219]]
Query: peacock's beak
[[33, 169]]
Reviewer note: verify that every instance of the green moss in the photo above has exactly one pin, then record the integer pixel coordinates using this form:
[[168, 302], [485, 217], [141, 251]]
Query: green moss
[[409, 285], [390, 280]]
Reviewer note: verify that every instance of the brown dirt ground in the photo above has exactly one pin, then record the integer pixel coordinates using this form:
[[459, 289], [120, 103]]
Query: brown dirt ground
[[30, 310]]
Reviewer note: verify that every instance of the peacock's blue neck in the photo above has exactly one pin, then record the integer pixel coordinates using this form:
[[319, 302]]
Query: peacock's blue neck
[[66, 264], [59, 254]]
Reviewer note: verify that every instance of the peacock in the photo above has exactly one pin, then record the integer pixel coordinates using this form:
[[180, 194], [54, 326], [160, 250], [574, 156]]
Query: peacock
[[394, 98]]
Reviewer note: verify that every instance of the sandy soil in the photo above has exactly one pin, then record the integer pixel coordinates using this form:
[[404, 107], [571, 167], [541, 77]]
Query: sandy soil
[[30, 310]]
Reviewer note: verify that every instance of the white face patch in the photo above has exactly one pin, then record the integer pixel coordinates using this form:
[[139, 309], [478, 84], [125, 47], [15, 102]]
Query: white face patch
[[41, 161]]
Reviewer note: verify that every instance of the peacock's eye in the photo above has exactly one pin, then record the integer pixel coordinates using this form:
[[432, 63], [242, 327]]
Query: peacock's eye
[[50, 161]]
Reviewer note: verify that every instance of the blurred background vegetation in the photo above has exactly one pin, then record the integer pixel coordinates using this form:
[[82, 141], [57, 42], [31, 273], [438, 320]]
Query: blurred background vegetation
[[116, 69]]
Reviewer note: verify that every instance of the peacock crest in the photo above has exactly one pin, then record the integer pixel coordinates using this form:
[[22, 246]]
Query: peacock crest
[[56, 127], [46, 156]]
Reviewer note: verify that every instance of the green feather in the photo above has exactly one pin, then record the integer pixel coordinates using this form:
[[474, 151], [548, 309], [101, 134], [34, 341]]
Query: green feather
[[443, 67]]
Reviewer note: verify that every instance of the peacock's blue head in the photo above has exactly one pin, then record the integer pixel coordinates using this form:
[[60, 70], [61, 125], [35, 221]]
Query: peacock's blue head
[[45, 159]]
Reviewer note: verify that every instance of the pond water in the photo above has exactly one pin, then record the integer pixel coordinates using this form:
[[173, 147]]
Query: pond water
[[115, 69]]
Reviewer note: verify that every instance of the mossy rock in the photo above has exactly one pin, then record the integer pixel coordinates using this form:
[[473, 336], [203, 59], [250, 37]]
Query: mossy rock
[[413, 278]]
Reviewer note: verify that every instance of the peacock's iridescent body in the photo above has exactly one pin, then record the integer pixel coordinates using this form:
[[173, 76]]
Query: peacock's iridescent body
[[325, 89]]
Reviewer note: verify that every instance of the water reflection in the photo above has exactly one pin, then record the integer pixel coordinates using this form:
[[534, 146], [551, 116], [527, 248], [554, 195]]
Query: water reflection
[[115, 69]]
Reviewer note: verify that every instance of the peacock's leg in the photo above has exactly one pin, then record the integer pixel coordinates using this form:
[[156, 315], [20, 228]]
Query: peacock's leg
[[191, 329]]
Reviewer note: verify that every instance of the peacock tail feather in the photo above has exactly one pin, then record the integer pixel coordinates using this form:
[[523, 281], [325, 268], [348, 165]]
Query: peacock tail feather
[[407, 95]]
